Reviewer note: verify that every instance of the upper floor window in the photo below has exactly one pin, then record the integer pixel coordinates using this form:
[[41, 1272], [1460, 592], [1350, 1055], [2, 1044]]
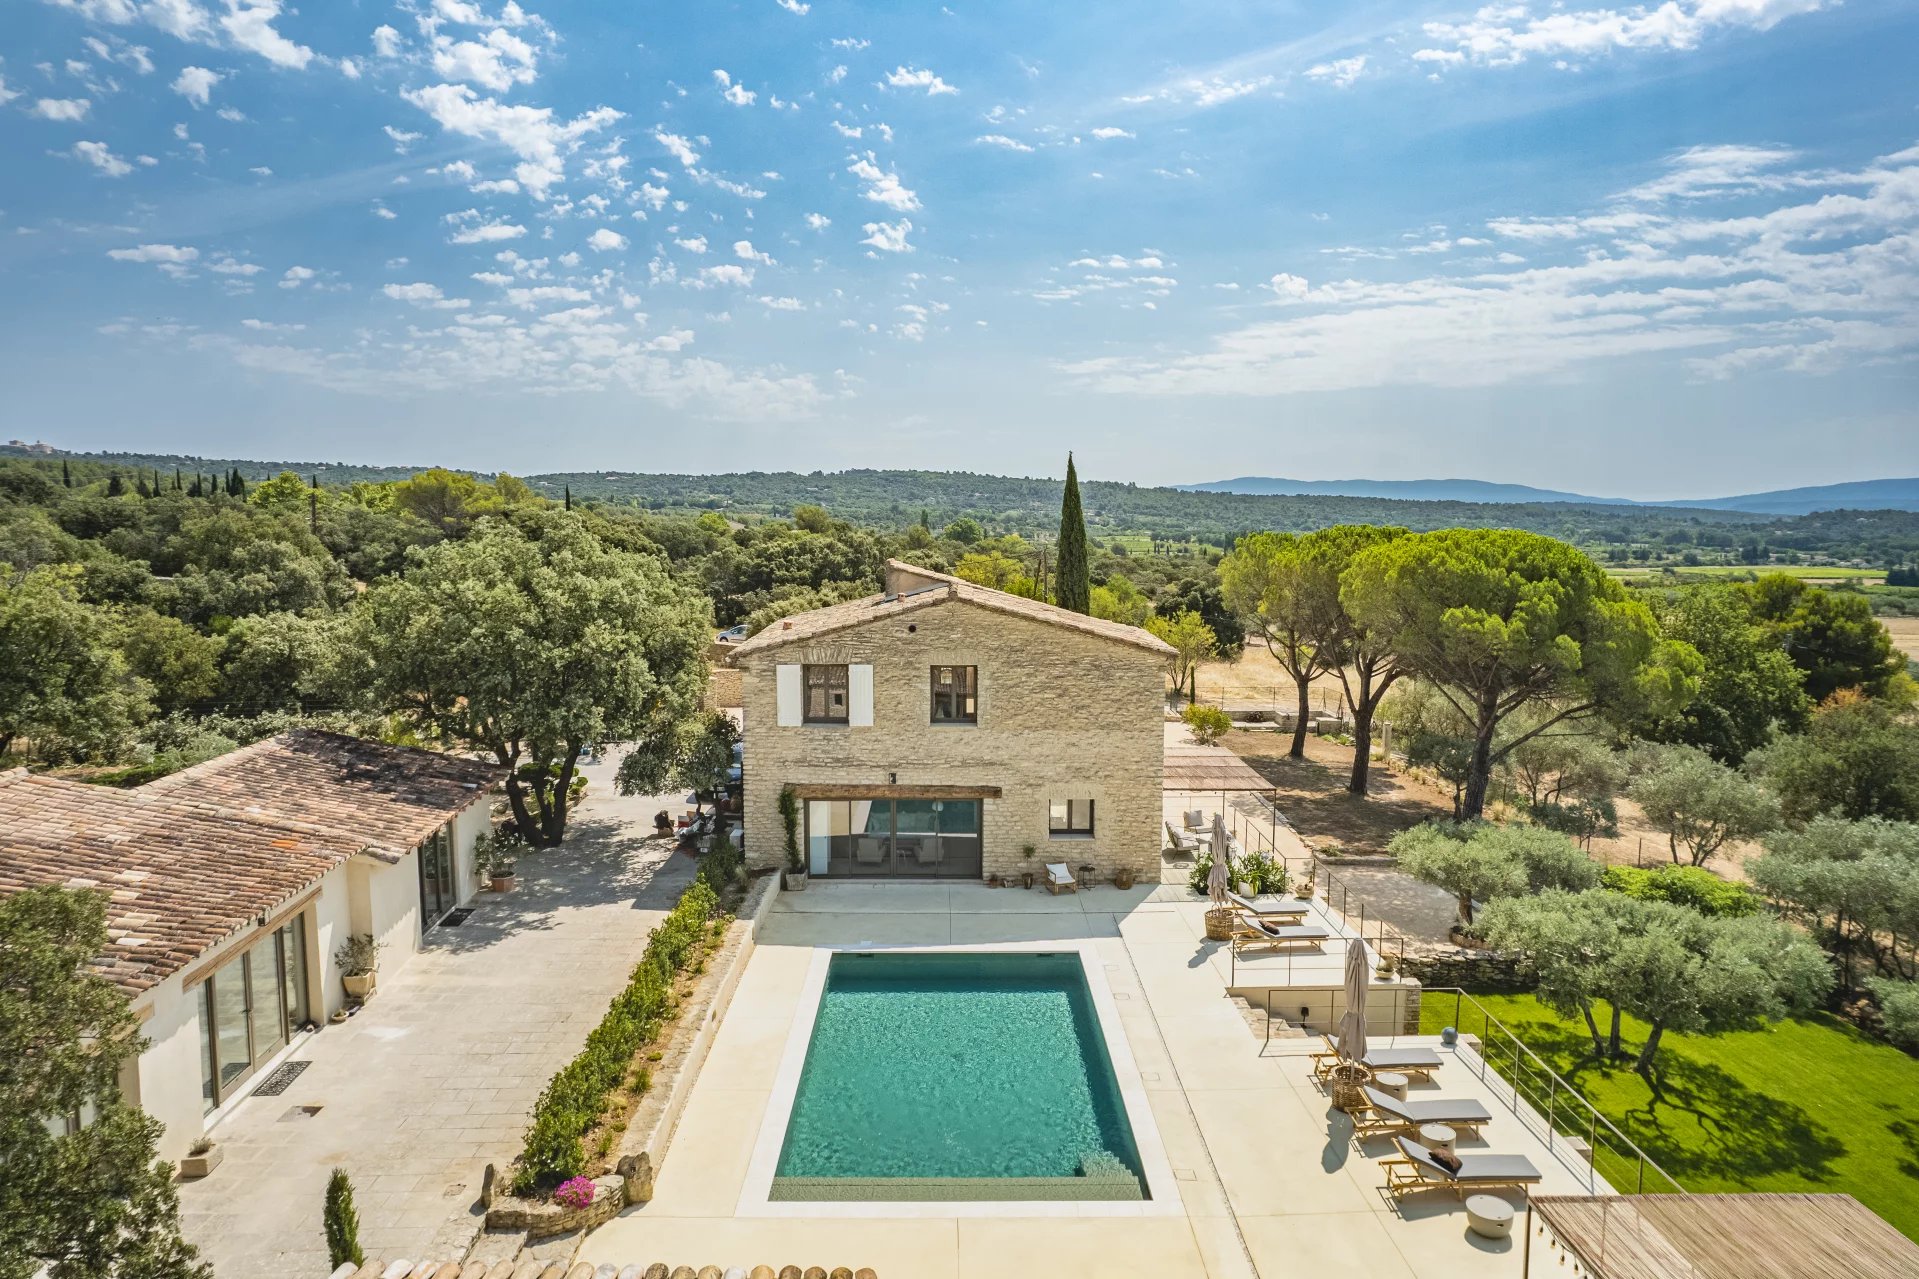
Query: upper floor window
[[1071, 817], [826, 700], [956, 694]]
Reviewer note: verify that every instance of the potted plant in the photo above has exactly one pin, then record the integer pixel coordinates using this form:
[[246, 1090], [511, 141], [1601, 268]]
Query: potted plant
[[202, 1158], [494, 858], [358, 957], [1123, 877], [795, 878], [1026, 853]]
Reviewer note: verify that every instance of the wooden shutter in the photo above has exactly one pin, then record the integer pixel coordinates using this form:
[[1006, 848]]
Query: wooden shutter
[[786, 684], [859, 696]]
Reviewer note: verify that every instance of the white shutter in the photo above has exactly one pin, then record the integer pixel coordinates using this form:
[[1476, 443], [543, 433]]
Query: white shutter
[[786, 684], [859, 697]]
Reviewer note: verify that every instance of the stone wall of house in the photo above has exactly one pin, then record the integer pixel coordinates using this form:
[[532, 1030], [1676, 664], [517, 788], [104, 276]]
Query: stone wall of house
[[1062, 715]]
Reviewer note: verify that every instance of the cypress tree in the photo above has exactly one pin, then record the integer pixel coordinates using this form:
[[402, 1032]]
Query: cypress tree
[[567, 492], [66, 473], [179, 485], [140, 485], [1075, 586], [116, 487], [342, 1222]]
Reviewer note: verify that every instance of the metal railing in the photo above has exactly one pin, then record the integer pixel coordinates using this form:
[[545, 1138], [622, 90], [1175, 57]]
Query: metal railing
[[1553, 1110]]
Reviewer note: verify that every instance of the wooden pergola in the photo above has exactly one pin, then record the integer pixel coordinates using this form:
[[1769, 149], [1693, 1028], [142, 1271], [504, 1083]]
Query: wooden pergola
[[1759, 1236], [1214, 769]]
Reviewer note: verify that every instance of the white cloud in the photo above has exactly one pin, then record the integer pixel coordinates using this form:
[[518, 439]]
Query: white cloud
[[425, 295], [495, 186], [1106, 133], [783, 304], [916, 78], [233, 266], [678, 147], [1340, 73], [249, 25], [738, 94], [270, 326], [350, 68], [744, 250], [882, 185], [232, 114], [1720, 170], [1289, 286], [693, 243], [1506, 34], [402, 139], [818, 221], [1203, 91], [528, 298], [837, 74], [97, 155], [727, 275], [853, 43], [532, 133], [382, 212], [795, 6], [1001, 140], [195, 84], [888, 237], [386, 41], [487, 233], [498, 60], [177, 254], [605, 241], [65, 110], [295, 276]]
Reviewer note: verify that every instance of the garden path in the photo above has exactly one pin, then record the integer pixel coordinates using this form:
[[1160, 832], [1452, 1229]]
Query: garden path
[[436, 1077]]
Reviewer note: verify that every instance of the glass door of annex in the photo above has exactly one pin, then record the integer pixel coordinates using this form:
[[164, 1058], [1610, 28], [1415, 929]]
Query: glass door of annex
[[894, 838], [438, 893]]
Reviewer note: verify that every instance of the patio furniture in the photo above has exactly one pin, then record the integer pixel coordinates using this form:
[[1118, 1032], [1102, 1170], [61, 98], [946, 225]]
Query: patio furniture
[[1195, 819], [1250, 931], [1392, 1083], [869, 850], [1386, 1114], [1441, 1139], [1417, 1169], [1183, 842], [1272, 908], [1489, 1216], [1059, 879], [1421, 1062]]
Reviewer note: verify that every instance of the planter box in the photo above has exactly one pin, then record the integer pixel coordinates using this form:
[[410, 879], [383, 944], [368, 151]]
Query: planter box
[[194, 1166], [360, 987], [794, 882]]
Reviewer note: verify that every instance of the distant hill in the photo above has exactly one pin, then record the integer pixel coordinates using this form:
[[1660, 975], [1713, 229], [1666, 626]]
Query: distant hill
[[1855, 495], [1401, 490]]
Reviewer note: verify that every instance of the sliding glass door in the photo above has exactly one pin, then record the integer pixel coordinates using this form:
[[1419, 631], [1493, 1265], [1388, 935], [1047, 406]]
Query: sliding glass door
[[894, 838], [438, 892], [250, 1009]]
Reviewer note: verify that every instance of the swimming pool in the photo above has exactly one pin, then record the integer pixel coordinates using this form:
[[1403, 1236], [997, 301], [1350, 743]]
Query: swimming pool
[[957, 1076]]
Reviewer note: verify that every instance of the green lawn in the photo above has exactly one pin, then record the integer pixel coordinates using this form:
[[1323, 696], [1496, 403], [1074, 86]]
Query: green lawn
[[1807, 1105], [1817, 572]]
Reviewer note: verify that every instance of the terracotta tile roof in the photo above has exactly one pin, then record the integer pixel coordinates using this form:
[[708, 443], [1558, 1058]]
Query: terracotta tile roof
[[191, 859], [940, 588], [390, 797]]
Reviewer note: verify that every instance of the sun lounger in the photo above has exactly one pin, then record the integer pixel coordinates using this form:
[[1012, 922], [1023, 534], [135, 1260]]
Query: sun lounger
[[1182, 842], [1406, 1061], [1385, 1113], [1416, 1169], [1060, 879], [1250, 931], [1279, 908]]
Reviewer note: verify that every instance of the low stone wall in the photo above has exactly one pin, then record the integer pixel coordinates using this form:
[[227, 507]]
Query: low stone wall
[[1483, 970], [644, 1144]]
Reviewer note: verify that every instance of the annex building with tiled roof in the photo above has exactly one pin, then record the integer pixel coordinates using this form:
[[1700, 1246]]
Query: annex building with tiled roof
[[229, 886]]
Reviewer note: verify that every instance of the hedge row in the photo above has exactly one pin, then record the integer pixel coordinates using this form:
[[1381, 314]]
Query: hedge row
[[576, 1098]]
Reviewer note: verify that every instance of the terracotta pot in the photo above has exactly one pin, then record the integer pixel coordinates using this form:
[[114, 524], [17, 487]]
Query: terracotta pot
[[501, 883]]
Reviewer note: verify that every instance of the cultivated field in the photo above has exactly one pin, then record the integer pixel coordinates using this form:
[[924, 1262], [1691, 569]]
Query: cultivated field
[[1905, 634]]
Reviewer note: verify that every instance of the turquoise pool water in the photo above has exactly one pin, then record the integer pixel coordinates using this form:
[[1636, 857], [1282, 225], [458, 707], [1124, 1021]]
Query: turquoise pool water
[[957, 1076]]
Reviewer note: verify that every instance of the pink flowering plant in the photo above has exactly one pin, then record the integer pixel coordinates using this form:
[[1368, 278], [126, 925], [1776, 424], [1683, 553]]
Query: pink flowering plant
[[574, 1192]]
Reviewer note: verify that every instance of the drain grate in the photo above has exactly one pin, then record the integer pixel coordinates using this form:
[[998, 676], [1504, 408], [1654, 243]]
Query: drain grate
[[281, 1079], [454, 918]]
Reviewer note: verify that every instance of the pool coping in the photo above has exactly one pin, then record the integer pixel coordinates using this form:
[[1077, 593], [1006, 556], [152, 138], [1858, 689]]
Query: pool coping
[[1165, 1198]]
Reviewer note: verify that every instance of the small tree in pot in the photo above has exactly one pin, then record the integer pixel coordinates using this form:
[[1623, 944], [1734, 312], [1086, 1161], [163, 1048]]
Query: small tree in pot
[[1026, 855], [358, 957], [494, 857], [790, 817]]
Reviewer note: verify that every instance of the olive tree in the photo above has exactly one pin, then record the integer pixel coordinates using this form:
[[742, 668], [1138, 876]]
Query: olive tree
[[1480, 862], [1854, 884], [91, 1203], [530, 640], [1500, 620], [1698, 803]]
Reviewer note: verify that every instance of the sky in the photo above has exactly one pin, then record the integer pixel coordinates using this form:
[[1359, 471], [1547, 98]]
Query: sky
[[1649, 252]]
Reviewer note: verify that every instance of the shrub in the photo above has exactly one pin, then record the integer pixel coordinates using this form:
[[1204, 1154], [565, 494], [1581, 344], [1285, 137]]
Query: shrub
[[342, 1222], [1691, 886], [576, 1097], [1899, 1006], [790, 818], [1202, 867], [1208, 723], [1261, 873]]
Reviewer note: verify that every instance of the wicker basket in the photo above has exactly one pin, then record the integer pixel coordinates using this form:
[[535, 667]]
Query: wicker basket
[[1348, 1083], [1219, 925]]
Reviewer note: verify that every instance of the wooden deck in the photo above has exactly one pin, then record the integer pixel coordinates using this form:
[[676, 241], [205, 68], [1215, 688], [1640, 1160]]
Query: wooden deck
[[1759, 1236]]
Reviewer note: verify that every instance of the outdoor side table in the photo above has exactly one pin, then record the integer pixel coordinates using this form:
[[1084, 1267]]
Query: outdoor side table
[[1437, 1138], [1392, 1083], [1489, 1216]]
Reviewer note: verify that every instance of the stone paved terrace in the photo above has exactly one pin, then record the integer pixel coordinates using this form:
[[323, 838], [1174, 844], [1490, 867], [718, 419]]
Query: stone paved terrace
[[1269, 1181], [436, 1077]]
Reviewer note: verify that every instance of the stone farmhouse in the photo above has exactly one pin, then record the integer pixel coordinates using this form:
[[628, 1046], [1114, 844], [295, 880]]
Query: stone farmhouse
[[231, 884], [940, 729]]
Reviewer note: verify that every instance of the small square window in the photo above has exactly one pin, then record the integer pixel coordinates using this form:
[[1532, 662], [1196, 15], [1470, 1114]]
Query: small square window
[[956, 694], [826, 701], [1071, 817]]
